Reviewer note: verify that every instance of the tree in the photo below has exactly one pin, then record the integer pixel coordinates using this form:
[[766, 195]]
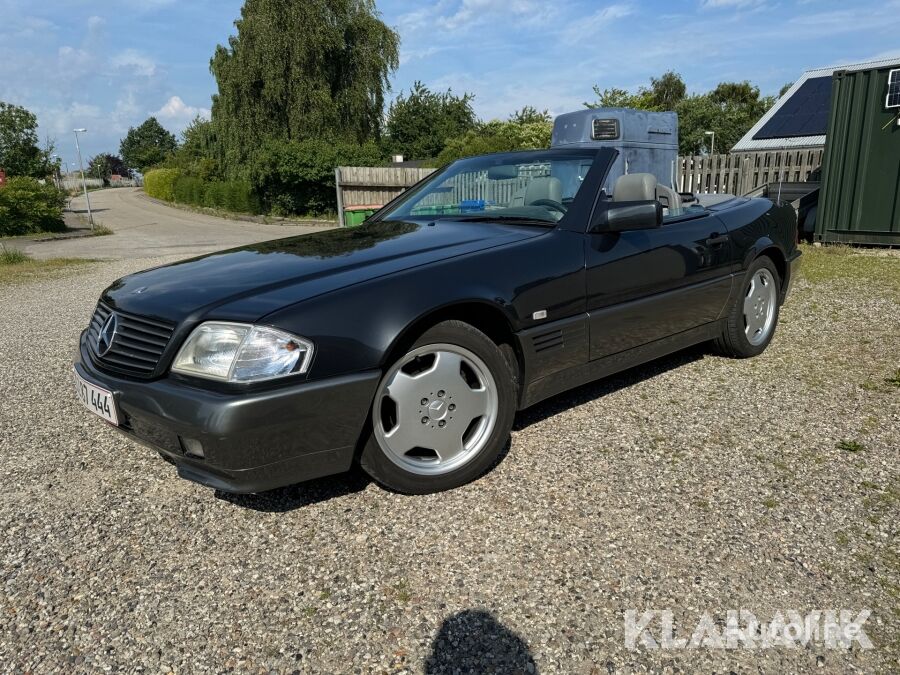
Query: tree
[[420, 124], [785, 89], [497, 136], [730, 110], [20, 154], [667, 90], [301, 70], [616, 98], [105, 165], [200, 154], [530, 115], [147, 145]]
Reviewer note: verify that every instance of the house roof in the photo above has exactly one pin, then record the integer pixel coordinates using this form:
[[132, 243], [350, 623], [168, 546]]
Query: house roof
[[764, 134]]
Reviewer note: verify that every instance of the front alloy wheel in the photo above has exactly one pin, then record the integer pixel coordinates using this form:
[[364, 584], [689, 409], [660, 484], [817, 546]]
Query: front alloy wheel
[[753, 316], [442, 412], [760, 305], [436, 409]]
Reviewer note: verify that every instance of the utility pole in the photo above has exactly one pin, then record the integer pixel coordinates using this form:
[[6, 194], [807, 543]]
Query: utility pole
[[83, 181]]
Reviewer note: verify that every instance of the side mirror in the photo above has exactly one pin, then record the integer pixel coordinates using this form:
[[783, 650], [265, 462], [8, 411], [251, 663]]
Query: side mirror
[[626, 216]]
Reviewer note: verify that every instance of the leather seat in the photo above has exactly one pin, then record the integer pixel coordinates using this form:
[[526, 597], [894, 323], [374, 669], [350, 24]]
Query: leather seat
[[545, 187], [635, 187], [644, 187]]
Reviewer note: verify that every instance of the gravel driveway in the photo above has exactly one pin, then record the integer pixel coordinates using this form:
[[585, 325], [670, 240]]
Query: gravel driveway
[[693, 484]]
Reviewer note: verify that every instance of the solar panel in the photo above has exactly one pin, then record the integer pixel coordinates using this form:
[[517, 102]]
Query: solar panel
[[805, 113], [893, 95]]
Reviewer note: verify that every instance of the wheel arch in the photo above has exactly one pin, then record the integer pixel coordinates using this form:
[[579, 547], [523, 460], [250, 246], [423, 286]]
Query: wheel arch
[[489, 318], [768, 248]]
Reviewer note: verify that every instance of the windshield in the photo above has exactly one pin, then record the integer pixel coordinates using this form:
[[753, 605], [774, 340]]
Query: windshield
[[536, 186]]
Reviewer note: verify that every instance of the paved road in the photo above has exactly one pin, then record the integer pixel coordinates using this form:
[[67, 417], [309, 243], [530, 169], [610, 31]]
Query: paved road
[[145, 228]]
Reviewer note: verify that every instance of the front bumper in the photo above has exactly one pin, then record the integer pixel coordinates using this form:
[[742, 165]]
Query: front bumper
[[252, 441]]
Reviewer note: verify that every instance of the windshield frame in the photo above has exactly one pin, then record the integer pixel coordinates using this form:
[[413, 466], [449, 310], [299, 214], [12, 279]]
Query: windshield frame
[[578, 210]]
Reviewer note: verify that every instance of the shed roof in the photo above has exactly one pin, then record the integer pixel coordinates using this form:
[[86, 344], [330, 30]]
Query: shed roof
[[758, 137]]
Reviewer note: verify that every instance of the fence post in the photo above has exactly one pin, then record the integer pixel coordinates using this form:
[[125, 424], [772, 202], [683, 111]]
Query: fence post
[[340, 196]]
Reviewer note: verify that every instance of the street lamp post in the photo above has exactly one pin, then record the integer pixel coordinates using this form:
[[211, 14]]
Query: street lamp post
[[712, 145], [83, 181]]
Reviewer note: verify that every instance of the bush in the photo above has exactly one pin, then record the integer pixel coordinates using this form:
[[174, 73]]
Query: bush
[[188, 190], [160, 183], [298, 177], [27, 206], [236, 196]]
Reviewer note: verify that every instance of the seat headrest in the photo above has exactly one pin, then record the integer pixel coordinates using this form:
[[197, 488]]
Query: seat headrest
[[635, 187], [545, 187]]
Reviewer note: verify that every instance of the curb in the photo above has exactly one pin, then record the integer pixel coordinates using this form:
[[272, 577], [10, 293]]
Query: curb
[[258, 220]]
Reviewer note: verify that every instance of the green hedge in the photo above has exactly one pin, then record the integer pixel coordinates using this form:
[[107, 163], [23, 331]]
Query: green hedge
[[233, 195], [297, 178], [160, 183], [26, 206], [172, 186]]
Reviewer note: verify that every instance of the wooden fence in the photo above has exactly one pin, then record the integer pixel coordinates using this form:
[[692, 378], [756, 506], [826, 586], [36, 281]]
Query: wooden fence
[[737, 173], [362, 186], [743, 172]]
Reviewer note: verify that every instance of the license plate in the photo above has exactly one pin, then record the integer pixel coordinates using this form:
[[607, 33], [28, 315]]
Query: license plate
[[99, 401]]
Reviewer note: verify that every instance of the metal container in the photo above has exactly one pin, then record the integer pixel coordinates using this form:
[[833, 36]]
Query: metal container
[[647, 141], [860, 198]]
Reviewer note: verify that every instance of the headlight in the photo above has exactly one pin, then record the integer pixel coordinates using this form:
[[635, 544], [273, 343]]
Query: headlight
[[238, 352]]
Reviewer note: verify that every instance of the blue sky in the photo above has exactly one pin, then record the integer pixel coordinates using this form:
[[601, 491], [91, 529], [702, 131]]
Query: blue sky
[[108, 65]]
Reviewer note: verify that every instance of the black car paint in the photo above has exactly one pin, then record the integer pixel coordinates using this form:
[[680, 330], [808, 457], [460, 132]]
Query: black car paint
[[613, 300]]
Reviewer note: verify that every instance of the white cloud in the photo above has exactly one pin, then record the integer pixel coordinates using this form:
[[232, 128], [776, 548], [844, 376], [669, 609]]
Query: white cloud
[[135, 61], [411, 55], [178, 113], [480, 11], [596, 22]]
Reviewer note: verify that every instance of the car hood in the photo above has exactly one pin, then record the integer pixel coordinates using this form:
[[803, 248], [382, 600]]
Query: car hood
[[247, 283]]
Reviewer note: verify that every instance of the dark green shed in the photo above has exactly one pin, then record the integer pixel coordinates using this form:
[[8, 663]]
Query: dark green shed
[[860, 198]]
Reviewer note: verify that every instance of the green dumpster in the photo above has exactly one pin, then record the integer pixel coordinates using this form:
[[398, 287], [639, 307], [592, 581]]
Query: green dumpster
[[356, 215]]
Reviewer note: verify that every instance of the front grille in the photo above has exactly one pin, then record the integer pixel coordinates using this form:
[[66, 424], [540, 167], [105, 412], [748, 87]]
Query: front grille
[[138, 344]]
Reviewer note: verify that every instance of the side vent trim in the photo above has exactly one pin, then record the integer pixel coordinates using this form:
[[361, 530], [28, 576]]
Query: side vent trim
[[546, 341]]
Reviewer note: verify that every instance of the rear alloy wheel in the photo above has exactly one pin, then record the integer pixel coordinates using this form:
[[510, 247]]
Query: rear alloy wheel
[[442, 412], [751, 322]]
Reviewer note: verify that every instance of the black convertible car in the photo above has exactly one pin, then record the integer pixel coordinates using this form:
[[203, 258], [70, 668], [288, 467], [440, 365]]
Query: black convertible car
[[409, 343]]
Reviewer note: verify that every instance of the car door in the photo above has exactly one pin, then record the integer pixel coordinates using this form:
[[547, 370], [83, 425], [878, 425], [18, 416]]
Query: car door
[[644, 285]]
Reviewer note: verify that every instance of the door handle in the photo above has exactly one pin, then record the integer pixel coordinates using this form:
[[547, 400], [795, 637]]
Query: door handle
[[717, 240]]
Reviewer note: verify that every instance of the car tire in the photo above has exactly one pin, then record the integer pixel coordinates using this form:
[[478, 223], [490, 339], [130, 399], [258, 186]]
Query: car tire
[[442, 412], [753, 316]]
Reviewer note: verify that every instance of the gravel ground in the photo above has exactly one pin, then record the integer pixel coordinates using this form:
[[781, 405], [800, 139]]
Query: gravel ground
[[693, 484]]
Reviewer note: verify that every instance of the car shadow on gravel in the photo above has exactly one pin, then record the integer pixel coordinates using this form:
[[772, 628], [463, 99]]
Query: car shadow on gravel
[[613, 383], [297, 496], [473, 641]]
